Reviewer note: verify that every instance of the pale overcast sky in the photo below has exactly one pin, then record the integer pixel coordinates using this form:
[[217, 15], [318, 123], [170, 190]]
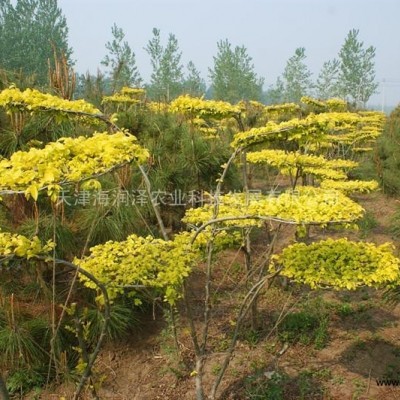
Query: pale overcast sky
[[271, 30]]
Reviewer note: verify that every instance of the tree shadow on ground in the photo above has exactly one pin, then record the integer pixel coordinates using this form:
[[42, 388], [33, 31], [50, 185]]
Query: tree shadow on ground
[[277, 385], [374, 358], [361, 316]]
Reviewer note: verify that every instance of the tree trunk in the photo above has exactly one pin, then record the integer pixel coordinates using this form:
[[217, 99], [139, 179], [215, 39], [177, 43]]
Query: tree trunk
[[3, 389], [199, 378]]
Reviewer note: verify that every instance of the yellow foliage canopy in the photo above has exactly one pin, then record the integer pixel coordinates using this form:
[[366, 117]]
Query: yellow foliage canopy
[[340, 264], [67, 160], [307, 205], [14, 99]]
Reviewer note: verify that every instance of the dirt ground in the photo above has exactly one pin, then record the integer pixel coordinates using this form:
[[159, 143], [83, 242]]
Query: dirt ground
[[363, 342]]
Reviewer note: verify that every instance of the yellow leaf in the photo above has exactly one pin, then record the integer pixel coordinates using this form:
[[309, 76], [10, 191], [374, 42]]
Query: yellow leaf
[[91, 184], [32, 191]]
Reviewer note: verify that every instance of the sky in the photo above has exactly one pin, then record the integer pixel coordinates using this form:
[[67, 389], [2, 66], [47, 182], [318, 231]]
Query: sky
[[270, 30]]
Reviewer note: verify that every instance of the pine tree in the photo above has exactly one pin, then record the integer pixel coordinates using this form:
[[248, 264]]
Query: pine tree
[[233, 77], [28, 33], [121, 62], [194, 84]]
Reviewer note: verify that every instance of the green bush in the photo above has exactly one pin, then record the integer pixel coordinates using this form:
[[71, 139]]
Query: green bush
[[308, 326], [24, 380], [257, 387], [387, 160], [23, 349], [306, 385], [395, 224], [122, 319], [298, 327], [367, 224]]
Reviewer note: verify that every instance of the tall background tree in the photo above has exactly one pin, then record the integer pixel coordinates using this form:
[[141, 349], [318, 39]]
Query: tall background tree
[[233, 77], [121, 62], [167, 76], [93, 87], [296, 77], [327, 84], [275, 93], [28, 33], [194, 84], [357, 70]]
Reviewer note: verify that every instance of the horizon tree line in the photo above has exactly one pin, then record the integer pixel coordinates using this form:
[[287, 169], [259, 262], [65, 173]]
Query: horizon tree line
[[32, 29]]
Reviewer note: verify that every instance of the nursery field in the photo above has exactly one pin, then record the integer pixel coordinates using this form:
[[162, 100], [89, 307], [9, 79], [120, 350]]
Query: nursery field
[[179, 237]]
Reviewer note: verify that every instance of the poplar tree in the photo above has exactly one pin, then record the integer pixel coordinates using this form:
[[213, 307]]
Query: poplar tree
[[357, 70], [167, 77], [296, 77], [327, 84]]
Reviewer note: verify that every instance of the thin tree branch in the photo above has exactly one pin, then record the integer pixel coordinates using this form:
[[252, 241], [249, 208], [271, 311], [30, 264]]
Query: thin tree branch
[[154, 205], [244, 308], [107, 307], [263, 218]]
